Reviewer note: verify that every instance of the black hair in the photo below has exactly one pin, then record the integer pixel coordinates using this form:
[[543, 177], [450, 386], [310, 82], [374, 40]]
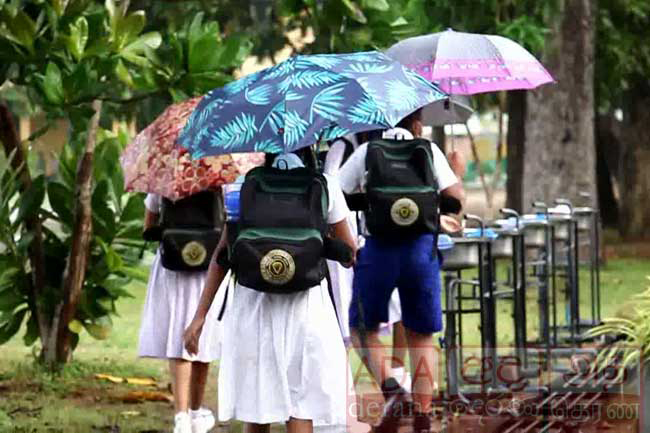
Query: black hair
[[408, 121]]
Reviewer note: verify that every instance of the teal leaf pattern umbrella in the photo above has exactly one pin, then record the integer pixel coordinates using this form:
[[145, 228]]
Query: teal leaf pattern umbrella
[[305, 99]]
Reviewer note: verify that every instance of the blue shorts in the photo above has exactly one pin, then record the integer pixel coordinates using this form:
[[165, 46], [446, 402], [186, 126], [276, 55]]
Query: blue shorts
[[412, 267]]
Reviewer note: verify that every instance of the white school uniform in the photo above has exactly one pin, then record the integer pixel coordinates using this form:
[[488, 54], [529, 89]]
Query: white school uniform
[[283, 355], [172, 299], [340, 276]]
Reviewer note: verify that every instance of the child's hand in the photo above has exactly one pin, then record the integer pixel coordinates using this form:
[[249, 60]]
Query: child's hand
[[192, 335]]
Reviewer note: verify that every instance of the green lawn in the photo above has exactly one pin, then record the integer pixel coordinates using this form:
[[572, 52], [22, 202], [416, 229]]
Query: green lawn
[[32, 400]]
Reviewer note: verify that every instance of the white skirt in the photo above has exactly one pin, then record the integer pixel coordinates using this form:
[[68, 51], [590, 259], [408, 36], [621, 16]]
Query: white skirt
[[283, 358], [172, 299]]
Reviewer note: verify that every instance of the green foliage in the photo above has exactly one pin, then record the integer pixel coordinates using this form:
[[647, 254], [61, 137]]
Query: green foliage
[[622, 52], [61, 56], [634, 348], [115, 246]]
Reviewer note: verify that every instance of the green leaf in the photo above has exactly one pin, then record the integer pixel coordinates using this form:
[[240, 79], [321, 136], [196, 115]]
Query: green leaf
[[75, 326], [113, 260], [137, 273], [234, 51], [52, 84], [133, 211], [60, 198], [32, 199], [25, 241], [379, 5], [12, 326], [135, 50], [355, 11], [78, 38], [204, 47], [103, 215], [123, 74], [19, 28], [100, 328], [32, 332], [9, 300], [131, 26]]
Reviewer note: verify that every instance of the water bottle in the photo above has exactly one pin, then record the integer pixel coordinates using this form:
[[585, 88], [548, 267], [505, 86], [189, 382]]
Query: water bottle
[[231, 193]]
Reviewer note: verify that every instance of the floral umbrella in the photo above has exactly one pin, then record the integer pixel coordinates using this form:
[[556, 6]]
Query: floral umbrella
[[154, 163]]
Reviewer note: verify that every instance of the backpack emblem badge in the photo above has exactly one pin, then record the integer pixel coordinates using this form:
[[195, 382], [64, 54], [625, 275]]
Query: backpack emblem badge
[[194, 253], [277, 267], [404, 212]]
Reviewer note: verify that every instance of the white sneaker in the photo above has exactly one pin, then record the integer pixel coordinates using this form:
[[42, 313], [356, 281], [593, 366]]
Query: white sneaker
[[202, 420], [182, 423]]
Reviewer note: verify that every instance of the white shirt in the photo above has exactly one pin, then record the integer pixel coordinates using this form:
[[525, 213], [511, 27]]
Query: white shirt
[[335, 154], [353, 173], [153, 203]]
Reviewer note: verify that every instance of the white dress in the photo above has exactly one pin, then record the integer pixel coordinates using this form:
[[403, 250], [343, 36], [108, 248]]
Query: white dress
[[172, 299], [283, 356]]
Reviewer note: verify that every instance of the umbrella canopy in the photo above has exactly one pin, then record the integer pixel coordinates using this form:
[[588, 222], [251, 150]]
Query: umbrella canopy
[[154, 163], [455, 109], [304, 99], [468, 63]]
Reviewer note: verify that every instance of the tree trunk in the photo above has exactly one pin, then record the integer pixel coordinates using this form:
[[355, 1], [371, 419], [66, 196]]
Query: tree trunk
[[11, 143], [516, 137], [75, 271], [634, 221], [560, 151], [608, 146]]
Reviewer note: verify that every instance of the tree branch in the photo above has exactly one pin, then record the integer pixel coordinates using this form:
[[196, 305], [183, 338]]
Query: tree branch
[[75, 272]]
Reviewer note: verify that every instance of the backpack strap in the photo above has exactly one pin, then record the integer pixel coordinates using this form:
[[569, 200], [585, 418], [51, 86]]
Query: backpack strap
[[349, 150]]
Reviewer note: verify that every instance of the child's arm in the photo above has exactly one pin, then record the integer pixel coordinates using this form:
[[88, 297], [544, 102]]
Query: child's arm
[[341, 231], [216, 274]]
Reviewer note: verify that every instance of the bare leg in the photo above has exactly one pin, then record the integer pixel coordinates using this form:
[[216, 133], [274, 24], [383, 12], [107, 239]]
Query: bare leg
[[249, 427], [422, 357], [295, 425], [197, 384], [181, 374], [399, 345], [375, 357]]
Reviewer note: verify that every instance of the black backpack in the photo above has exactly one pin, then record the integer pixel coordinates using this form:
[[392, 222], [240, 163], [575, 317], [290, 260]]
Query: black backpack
[[191, 228], [278, 246], [401, 189]]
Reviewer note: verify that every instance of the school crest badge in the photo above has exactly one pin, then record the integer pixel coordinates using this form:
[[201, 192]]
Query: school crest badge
[[194, 253], [404, 212], [277, 267]]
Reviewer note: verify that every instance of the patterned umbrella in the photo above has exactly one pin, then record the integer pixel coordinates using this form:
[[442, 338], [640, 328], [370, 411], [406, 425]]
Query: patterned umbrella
[[469, 63], [154, 163], [304, 99]]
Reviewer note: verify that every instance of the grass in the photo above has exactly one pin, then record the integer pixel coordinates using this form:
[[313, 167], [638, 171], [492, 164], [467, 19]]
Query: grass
[[33, 400]]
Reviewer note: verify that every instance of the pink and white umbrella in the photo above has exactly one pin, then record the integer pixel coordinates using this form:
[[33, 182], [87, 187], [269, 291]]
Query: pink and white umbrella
[[469, 63]]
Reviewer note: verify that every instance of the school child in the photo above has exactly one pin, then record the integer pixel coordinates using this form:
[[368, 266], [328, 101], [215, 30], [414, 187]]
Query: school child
[[173, 293], [341, 277], [403, 179], [283, 358]]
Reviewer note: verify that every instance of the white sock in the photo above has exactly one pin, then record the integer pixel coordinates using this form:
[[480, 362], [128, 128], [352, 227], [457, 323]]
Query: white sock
[[200, 411], [403, 377]]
